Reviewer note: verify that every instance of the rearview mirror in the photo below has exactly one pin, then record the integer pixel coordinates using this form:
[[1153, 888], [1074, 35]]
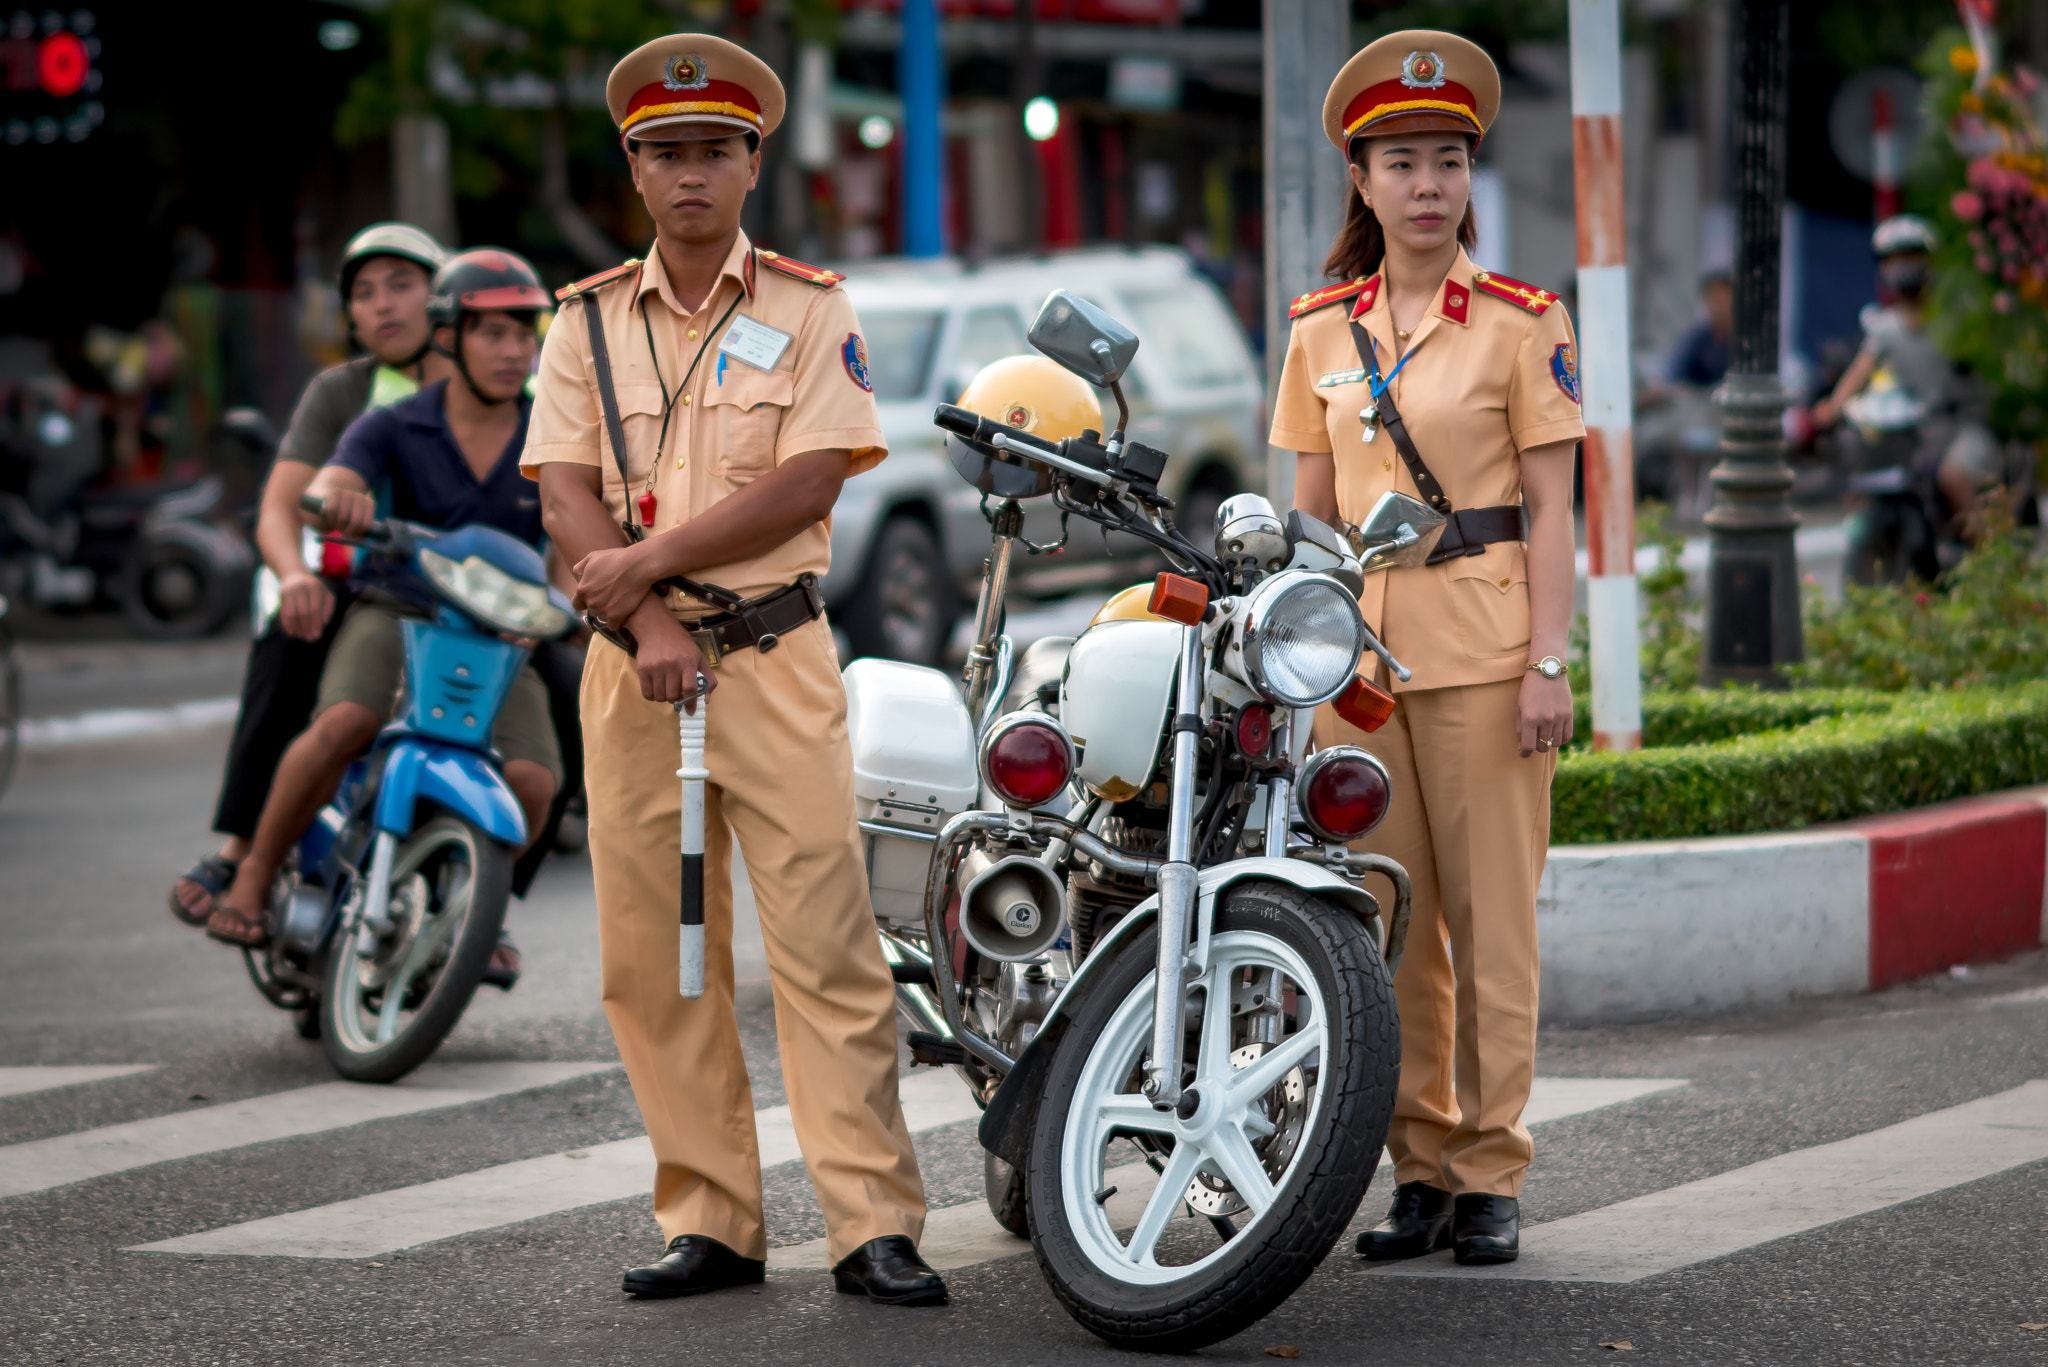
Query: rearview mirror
[[1399, 533], [1083, 338]]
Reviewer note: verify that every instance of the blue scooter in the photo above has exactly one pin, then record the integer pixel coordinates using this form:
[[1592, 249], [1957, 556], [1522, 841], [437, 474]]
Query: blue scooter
[[384, 918]]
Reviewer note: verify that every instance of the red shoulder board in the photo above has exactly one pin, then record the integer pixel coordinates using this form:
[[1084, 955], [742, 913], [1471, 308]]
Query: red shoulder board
[[1514, 291], [810, 275], [588, 283], [1330, 294]]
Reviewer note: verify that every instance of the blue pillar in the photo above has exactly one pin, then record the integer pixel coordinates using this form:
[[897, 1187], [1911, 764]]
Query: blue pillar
[[920, 80]]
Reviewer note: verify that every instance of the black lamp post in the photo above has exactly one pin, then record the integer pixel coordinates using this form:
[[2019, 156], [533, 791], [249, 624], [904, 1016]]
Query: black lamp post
[[1752, 568]]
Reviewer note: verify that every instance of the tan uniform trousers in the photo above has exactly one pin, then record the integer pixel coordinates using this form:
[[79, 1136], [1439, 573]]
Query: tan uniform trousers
[[782, 780], [1470, 822]]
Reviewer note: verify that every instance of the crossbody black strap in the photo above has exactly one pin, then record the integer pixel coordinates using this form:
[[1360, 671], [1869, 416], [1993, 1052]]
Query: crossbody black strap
[[1467, 531]]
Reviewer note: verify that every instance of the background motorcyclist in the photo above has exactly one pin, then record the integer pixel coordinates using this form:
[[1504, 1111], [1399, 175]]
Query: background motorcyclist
[[386, 272], [451, 456], [1954, 444]]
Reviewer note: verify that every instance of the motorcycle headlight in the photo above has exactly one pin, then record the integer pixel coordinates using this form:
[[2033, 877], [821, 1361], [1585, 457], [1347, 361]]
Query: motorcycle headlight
[[493, 597], [1303, 635]]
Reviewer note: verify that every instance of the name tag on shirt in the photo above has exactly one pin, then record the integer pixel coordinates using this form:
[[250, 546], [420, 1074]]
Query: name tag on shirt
[[753, 341], [1337, 377]]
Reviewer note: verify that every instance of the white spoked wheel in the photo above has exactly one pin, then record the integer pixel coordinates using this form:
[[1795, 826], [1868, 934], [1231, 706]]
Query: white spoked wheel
[[390, 998], [1225, 1154], [1168, 1230]]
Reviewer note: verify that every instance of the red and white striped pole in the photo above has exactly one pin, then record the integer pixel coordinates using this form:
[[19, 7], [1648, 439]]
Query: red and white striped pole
[[1884, 155], [1604, 377]]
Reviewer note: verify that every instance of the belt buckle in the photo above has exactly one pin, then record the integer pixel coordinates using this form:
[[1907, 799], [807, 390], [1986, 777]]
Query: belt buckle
[[707, 646]]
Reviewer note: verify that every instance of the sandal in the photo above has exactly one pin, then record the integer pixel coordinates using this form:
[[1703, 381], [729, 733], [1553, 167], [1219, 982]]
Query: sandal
[[503, 970], [230, 928], [213, 875]]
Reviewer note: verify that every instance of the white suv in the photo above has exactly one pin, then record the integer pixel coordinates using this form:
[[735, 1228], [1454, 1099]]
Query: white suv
[[908, 538]]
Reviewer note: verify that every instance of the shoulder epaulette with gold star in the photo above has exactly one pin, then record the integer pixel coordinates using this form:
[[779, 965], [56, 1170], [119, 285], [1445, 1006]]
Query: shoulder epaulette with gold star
[[1516, 292], [797, 270], [591, 282], [1329, 294]]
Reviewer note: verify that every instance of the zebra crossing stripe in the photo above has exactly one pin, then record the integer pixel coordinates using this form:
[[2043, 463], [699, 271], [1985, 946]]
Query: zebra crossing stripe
[[964, 1235], [1775, 1199], [23, 1080], [41, 1164], [512, 1193]]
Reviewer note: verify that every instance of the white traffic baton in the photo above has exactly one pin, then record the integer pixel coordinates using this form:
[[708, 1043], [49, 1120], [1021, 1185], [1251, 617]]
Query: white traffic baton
[[693, 773]]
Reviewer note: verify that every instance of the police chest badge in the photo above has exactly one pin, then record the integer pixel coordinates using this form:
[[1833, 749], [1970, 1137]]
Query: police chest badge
[[685, 73], [854, 352], [1564, 368]]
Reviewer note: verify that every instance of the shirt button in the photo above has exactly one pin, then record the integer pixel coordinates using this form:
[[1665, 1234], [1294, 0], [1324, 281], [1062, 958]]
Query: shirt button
[[1505, 582], [1386, 462], [679, 462], [686, 400], [693, 334]]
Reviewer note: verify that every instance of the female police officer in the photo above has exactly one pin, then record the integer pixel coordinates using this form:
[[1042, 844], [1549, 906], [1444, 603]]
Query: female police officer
[[1423, 374]]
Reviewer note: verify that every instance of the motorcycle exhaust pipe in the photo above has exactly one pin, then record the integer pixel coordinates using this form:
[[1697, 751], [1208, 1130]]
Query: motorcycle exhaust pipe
[[1010, 908]]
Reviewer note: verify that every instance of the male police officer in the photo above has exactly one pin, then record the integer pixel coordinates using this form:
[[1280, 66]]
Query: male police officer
[[695, 416]]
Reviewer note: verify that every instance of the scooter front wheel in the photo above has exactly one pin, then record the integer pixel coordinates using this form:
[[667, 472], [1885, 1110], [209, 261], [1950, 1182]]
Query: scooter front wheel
[[1166, 1231], [391, 996]]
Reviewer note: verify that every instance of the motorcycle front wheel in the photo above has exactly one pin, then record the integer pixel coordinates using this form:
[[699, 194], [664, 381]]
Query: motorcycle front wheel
[[1166, 1232], [389, 999]]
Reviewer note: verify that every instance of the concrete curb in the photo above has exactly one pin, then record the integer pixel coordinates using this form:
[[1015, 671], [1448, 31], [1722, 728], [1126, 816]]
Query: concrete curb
[[1638, 927]]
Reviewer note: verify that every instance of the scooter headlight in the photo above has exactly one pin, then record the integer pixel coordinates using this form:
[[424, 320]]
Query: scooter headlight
[[493, 597], [1303, 635]]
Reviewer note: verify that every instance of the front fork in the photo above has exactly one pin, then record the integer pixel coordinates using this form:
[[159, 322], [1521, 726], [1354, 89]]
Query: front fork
[[1178, 886]]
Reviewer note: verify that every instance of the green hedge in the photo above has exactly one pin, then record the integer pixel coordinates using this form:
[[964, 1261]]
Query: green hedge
[[1860, 754], [1700, 717]]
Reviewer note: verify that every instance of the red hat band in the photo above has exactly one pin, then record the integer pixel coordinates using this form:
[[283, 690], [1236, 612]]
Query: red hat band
[[1387, 98], [713, 98]]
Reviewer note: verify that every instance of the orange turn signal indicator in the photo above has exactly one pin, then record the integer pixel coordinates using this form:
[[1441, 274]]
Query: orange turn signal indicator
[[1179, 599], [1365, 704]]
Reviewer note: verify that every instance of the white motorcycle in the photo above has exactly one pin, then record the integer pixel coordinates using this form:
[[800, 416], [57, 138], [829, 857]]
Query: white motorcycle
[[1115, 888]]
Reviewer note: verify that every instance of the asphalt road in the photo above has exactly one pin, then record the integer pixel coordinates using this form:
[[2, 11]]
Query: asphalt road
[[1944, 1262]]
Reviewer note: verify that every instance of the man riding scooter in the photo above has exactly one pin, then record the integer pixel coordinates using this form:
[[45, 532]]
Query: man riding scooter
[[1923, 454], [451, 456]]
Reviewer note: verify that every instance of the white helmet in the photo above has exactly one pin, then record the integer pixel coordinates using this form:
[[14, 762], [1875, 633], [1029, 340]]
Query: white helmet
[[1904, 233]]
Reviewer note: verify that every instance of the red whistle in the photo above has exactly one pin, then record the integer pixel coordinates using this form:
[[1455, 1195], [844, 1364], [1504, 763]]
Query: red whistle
[[647, 509]]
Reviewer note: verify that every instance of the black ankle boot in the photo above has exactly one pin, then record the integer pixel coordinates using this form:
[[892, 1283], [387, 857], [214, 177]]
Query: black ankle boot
[[1418, 1223]]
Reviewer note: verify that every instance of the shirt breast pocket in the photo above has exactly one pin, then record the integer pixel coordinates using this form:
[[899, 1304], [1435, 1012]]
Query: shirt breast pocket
[[746, 411], [640, 416]]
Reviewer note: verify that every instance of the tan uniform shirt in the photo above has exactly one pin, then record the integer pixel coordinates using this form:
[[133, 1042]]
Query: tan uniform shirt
[[731, 422], [1485, 380]]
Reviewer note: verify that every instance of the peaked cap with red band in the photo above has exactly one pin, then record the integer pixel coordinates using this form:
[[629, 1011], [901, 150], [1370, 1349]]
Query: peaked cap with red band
[[1415, 81], [692, 86]]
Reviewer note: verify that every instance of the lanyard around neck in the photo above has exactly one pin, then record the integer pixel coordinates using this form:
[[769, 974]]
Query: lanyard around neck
[[1378, 385]]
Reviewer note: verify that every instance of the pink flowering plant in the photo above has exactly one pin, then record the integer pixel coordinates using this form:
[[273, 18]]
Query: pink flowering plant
[[1984, 177]]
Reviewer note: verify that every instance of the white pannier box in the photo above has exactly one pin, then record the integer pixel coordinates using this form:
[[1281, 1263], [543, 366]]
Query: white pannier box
[[913, 770]]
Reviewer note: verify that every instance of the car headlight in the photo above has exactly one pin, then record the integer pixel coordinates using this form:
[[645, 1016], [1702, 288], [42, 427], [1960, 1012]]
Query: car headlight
[[1303, 635], [493, 597]]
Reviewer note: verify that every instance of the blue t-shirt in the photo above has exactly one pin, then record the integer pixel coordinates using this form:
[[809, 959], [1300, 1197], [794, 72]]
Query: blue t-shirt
[[409, 446], [1700, 357]]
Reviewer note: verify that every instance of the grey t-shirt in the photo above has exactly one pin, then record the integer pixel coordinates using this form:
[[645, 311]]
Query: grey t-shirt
[[335, 398], [1907, 352]]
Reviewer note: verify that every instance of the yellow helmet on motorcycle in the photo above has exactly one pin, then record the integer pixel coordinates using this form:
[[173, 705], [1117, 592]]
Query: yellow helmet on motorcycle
[[1032, 393]]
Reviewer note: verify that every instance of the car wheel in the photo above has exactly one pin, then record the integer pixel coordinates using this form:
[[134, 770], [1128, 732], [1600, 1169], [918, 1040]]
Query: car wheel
[[903, 609]]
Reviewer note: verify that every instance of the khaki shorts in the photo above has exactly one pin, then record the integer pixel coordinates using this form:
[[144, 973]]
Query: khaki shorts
[[366, 666]]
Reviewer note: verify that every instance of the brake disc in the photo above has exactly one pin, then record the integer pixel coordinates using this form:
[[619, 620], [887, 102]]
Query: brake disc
[[408, 913], [1286, 1107]]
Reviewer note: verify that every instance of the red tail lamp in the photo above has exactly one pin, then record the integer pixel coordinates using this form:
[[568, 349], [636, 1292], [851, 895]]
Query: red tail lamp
[[1365, 704], [1344, 793], [1178, 599], [1026, 759], [1254, 730]]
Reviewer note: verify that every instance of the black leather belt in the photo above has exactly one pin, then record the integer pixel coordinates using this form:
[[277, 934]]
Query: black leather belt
[[759, 623], [1469, 531]]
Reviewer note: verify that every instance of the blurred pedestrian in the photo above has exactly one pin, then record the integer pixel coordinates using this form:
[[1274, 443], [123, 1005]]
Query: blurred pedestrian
[[1424, 375], [697, 414], [1700, 357]]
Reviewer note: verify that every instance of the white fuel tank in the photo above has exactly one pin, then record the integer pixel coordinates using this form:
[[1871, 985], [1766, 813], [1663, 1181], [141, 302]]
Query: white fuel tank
[[1116, 700]]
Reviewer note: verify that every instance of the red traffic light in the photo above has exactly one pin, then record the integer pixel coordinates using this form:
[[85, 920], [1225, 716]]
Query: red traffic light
[[61, 64]]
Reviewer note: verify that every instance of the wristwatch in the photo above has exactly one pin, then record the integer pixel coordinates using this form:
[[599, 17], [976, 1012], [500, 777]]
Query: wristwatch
[[1550, 667]]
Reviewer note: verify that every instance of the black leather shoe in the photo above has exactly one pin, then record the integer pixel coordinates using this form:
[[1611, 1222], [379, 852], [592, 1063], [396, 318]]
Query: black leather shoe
[[1418, 1223], [1486, 1229], [888, 1270], [692, 1266]]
